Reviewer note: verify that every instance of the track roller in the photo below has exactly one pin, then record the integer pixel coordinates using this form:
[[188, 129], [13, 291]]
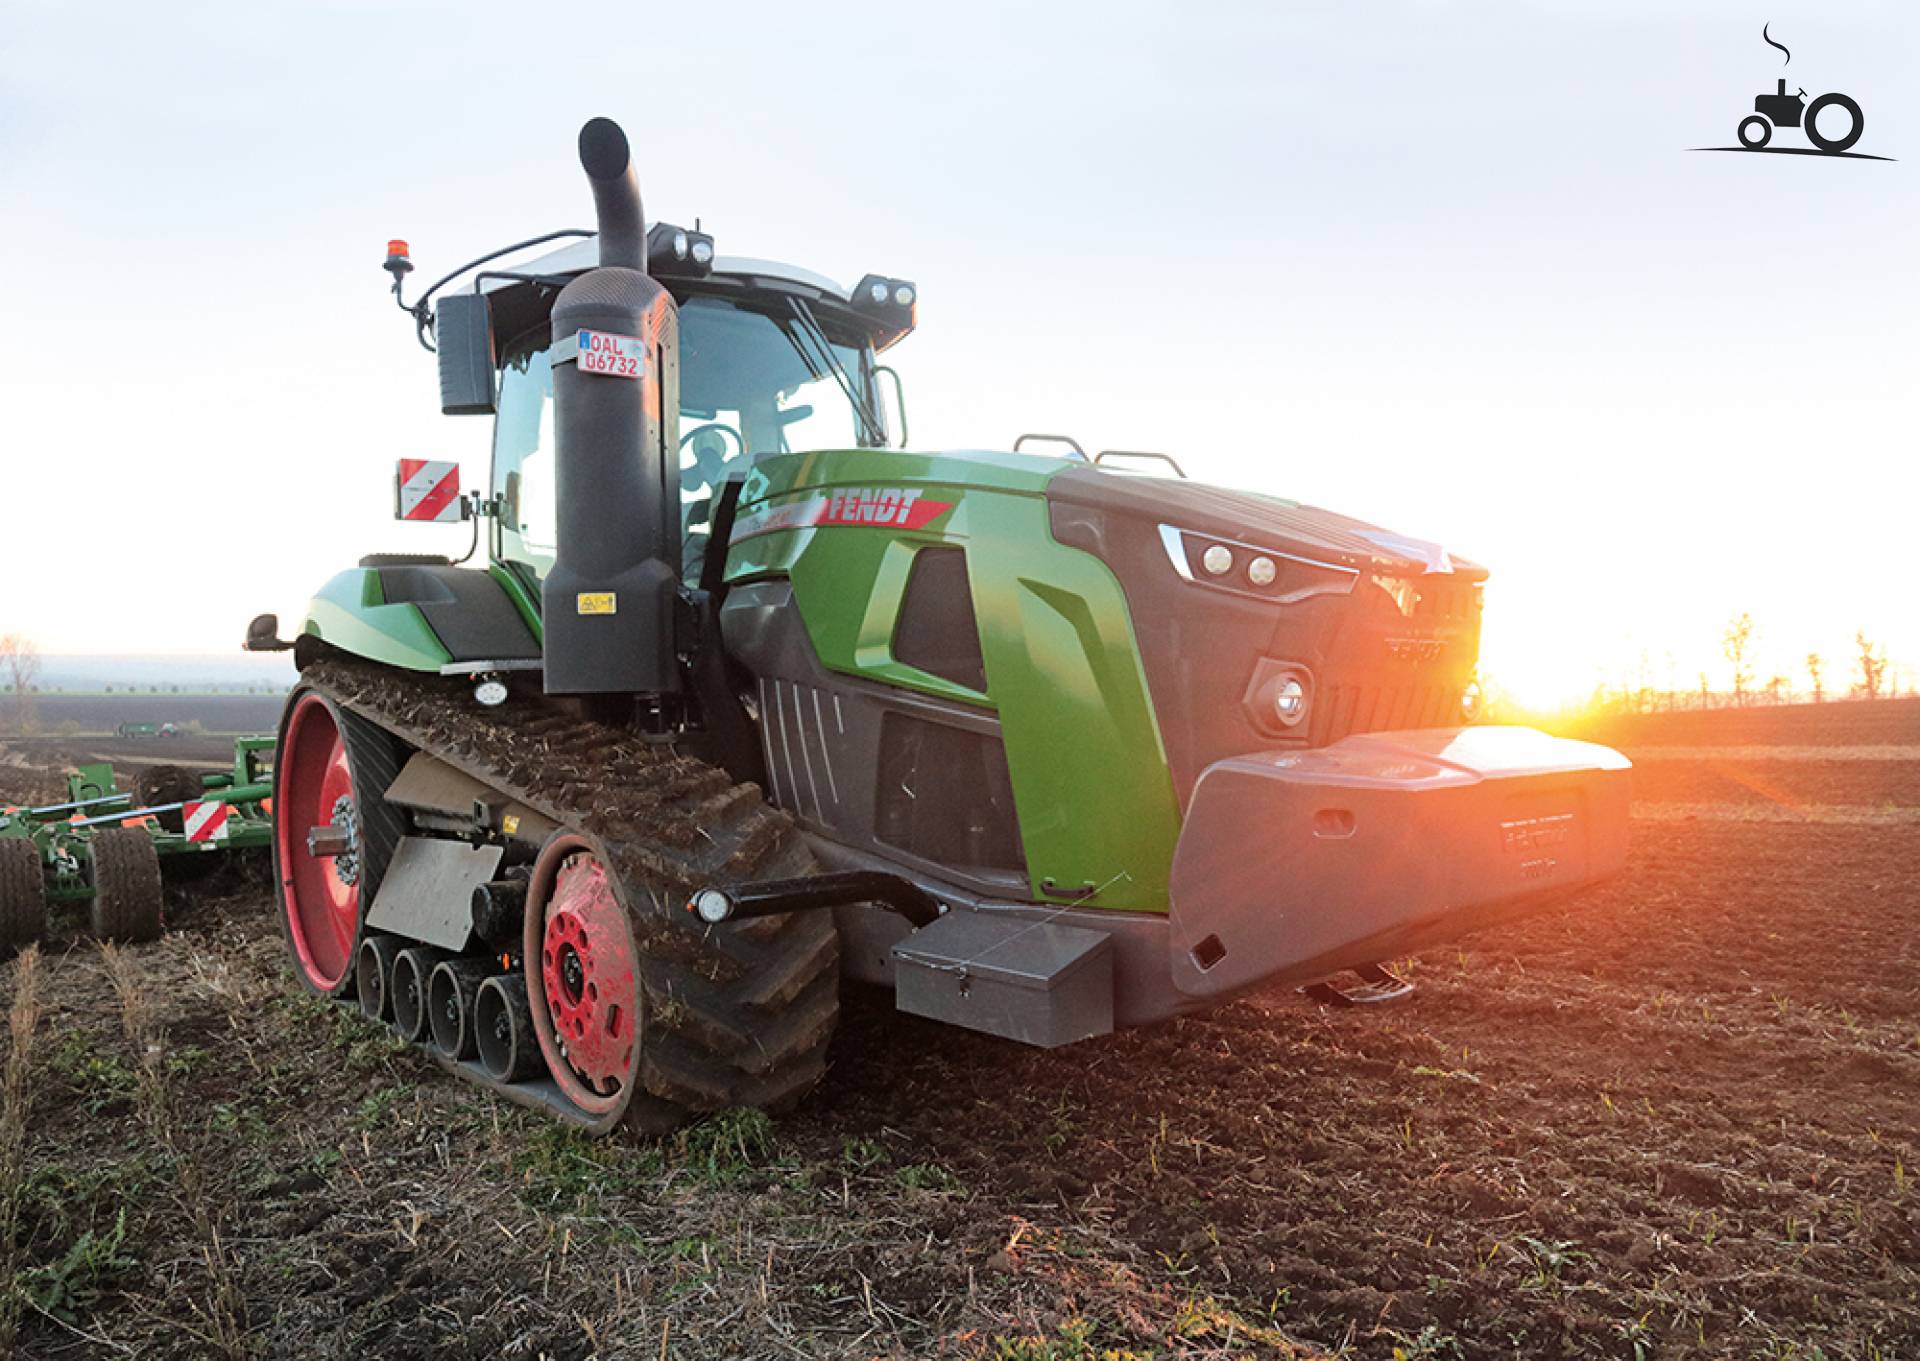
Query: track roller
[[450, 998], [373, 976], [503, 1030], [500, 910], [411, 969], [126, 885]]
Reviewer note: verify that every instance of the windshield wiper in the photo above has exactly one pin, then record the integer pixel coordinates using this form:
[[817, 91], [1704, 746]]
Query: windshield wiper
[[830, 361]]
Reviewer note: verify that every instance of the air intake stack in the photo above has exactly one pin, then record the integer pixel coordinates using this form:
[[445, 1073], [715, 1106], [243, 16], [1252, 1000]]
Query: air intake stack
[[608, 601]]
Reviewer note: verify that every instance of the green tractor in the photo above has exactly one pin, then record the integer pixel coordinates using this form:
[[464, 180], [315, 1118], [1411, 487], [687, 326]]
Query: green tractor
[[747, 699]]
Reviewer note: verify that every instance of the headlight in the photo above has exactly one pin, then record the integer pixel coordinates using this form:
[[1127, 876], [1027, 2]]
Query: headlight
[[1290, 702], [1472, 700], [1269, 573], [676, 251]]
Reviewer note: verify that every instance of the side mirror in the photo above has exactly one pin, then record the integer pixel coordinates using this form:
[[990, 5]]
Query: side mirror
[[263, 634], [463, 338]]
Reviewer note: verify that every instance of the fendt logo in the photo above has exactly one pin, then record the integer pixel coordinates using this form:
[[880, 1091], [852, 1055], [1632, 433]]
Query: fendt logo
[[1832, 122], [882, 507]]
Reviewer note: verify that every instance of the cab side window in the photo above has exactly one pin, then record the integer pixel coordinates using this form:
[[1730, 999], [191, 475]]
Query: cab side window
[[523, 461]]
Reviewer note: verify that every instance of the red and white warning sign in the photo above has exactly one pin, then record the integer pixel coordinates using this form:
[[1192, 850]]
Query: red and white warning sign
[[205, 821], [425, 489]]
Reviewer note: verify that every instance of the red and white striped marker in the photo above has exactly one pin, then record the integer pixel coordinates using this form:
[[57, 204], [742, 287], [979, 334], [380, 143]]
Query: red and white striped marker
[[205, 821], [427, 490]]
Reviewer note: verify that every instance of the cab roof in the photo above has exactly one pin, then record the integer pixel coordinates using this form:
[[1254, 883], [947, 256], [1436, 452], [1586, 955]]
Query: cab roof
[[583, 254]]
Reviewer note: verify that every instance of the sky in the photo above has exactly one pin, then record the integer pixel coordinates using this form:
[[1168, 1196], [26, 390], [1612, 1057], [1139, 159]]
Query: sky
[[1449, 267]]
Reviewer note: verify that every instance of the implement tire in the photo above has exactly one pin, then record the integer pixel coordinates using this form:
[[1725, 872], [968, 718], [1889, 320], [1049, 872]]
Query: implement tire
[[168, 784], [126, 886], [23, 895]]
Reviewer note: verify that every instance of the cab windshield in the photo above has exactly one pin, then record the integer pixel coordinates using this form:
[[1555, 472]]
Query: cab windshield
[[768, 379]]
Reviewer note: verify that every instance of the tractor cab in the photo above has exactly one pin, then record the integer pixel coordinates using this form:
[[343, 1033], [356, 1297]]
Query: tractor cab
[[773, 359]]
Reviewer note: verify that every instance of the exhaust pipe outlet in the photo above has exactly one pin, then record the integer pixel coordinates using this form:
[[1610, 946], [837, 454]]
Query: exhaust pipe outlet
[[450, 998], [607, 603], [411, 969], [503, 1029], [373, 976]]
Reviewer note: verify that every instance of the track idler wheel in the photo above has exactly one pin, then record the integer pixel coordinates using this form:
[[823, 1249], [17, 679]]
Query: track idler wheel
[[330, 770], [412, 968], [503, 1030], [450, 998], [373, 976], [583, 968], [126, 885], [23, 895]]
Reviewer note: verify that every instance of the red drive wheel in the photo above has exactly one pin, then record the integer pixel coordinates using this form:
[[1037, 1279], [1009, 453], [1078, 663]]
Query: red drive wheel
[[320, 895], [583, 977]]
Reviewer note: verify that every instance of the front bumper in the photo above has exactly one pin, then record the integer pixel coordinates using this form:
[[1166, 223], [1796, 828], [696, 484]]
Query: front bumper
[[1296, 865]]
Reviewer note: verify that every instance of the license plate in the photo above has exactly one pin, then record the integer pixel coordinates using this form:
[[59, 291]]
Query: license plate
[[615, 355]]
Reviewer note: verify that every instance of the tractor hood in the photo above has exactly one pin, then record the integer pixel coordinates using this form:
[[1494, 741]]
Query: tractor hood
[[1258, 521], [1234, 596]]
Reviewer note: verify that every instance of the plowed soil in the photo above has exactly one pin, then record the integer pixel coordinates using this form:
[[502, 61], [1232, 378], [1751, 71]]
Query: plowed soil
[[1678, 1118]]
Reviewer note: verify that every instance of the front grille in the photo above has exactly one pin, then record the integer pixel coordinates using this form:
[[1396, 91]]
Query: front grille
[[1342, 710]]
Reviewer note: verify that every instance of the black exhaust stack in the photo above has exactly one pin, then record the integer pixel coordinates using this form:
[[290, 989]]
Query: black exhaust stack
[[608, 601]]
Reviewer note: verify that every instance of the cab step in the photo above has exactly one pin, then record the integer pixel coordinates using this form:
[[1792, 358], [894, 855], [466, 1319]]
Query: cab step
[[1377, 984]]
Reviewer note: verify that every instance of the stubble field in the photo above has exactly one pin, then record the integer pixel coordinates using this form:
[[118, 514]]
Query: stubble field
[[1680, 1117]]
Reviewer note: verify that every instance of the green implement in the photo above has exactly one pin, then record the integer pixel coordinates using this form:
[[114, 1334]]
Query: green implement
[[105, 847]]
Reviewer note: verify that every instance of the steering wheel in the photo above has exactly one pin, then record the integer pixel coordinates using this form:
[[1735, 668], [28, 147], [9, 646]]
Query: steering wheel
[[709, 453]]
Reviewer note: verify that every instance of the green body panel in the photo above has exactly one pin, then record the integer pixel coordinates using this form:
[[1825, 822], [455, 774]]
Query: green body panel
[[525, 597], [351, 613], [1090, 781]]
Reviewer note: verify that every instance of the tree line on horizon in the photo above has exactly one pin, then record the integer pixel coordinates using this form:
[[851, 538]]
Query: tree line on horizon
[[1867, 676], [20, 686]]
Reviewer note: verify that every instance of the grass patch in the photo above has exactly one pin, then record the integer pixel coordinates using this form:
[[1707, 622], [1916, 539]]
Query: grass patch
[[1071, 1341], [99, 1078], [69, 1286], [726, 1148], [929, 1177], [558, 1168]]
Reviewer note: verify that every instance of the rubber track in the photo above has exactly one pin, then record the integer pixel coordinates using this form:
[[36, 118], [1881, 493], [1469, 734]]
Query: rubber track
[[738, 1015], [373, 760], [23, 894], [126, 885]]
